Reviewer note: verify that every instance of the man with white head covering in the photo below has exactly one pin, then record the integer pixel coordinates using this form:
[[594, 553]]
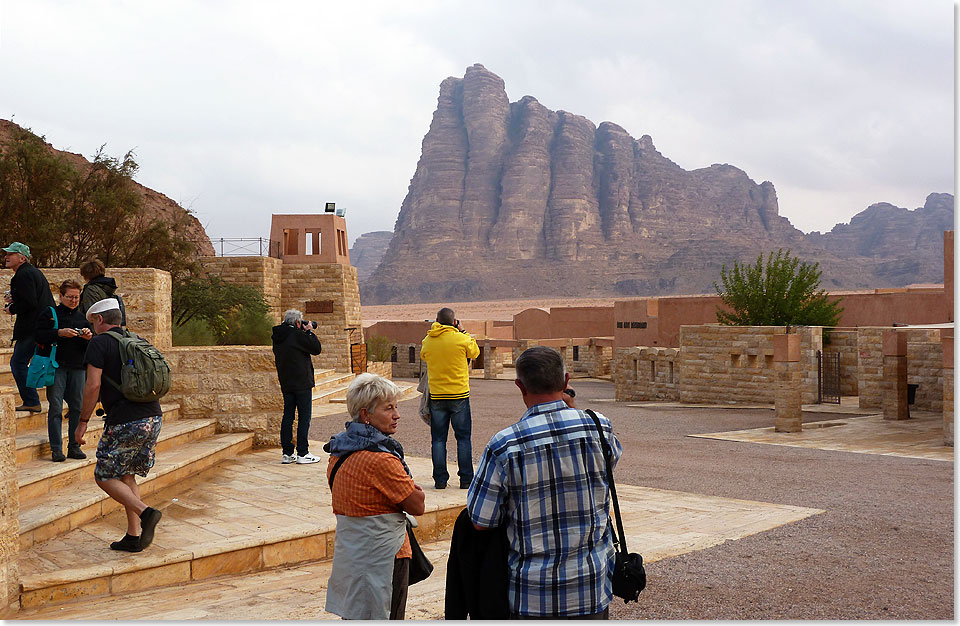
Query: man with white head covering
[[130, 433]]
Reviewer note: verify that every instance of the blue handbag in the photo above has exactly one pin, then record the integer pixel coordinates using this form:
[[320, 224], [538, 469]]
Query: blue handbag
[[43, 369]]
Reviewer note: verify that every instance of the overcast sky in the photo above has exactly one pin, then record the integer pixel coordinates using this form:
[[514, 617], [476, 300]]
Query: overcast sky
[[238, 110]]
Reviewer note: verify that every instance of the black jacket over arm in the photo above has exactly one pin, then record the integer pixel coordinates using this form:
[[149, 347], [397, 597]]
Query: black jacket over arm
[[292, 348], [31, 293], [476, 572], [70, 350]]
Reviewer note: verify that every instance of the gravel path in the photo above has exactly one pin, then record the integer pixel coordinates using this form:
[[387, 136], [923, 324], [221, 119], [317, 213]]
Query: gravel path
[[882, 550]]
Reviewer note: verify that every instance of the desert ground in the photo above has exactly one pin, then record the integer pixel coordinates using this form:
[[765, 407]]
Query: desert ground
[[485, 310]]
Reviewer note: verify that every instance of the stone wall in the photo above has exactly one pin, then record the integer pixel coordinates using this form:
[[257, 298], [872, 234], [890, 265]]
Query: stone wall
[[145, 293], [404, 367], [734, 364], [844, 343], [645, 373], [9, 510], [237, 385], [924, 367], [594, 360], [380, 368], [311, 287], [262, 272]]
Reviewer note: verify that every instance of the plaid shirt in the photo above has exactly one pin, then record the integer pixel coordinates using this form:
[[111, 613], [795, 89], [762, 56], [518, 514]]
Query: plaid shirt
[[545, 478]]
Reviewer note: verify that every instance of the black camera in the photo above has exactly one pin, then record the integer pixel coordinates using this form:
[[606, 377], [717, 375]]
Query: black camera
[[79, 331], [308, 325]]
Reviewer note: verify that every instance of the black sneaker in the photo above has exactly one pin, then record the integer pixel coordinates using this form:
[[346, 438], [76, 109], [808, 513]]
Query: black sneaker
[[74, 452], [148, 523], [465, 485], [33, 408], [439, 485], [58, 457], [129, 543]]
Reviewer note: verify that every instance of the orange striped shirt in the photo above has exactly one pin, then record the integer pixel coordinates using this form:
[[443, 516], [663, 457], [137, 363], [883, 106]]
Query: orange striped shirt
[[371, 483]]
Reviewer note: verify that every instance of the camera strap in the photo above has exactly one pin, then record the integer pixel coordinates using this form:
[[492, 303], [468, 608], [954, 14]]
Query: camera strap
[[607, 453]]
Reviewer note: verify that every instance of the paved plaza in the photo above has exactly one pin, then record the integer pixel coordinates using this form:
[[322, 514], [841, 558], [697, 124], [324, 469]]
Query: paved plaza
[[830, 525]]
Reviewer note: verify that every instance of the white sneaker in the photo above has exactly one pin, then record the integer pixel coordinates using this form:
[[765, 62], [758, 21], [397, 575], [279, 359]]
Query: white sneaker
[[289, 458], [308, 458]]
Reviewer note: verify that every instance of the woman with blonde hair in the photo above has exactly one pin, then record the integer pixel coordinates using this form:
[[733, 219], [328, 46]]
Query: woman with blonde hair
[[371, 488]]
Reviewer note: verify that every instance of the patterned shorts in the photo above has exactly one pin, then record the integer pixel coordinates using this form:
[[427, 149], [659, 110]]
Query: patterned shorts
[[127, 448]]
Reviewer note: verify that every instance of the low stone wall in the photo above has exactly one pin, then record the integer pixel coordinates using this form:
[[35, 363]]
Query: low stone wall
[[380, 368], [145, 293], [9, 510], [734, 364], [262, 272], [844, 343], [924, 367], [404, 366], [645, 373], [596, 361], [237, 385]]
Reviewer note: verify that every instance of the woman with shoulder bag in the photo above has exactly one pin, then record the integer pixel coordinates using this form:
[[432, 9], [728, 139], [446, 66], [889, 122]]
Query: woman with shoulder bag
[[371, 488], [71, 333]]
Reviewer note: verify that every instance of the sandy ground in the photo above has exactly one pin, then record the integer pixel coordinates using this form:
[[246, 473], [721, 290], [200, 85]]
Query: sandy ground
[[492, 310], [882, 550]]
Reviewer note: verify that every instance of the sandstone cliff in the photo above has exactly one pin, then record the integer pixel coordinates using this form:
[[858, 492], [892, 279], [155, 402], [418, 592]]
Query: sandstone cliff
[[513, 199], [367, 251]]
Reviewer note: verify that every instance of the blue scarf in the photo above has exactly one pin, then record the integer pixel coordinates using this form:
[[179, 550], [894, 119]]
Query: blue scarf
[[358, 436]]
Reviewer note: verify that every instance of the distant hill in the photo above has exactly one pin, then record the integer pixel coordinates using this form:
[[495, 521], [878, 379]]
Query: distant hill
[[511, 200]]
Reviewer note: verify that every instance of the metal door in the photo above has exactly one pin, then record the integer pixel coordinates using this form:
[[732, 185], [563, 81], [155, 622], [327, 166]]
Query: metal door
[[828, 378]]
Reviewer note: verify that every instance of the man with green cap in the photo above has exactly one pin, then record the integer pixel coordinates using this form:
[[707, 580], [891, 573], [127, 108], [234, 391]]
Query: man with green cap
[[29, 294]]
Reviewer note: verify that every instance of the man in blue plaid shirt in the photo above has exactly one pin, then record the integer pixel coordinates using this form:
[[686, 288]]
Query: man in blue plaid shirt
[[545, 479]]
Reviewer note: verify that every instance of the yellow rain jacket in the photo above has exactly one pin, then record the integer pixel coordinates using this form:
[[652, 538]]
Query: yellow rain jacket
[[446, 350]]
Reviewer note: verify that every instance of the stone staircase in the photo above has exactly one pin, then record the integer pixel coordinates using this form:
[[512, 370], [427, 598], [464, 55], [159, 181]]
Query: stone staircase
[[228, 508]]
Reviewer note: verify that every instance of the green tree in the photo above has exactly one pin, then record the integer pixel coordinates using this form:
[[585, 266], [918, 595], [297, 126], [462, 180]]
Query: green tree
[[379, 348], [235, 314], [67, 212], [783, 291]]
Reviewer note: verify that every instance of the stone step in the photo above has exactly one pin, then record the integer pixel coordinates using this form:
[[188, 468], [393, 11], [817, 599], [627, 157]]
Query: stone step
[[333, 379], [323, 396], [54, 514], [11, 387], [39, 477], [35, 442], [232, 519]]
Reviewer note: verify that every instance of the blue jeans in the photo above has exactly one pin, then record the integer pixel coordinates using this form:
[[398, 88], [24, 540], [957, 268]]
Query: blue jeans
[[19, 362], [302, 402], [443, 413], [67, 385]]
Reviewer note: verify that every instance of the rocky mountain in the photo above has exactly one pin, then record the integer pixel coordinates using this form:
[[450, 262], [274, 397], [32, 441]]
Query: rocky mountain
[[368, 250], [154, 202], [512, 199]]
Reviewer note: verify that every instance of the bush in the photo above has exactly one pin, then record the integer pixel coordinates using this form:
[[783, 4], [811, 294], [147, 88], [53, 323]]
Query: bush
[[379, 348], [194, 333]]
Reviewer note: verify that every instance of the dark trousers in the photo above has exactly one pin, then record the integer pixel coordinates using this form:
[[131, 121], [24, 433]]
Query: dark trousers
[[401, 583], [67, 385], [19, 362], [302, 403], [443, 413], [604, 614]]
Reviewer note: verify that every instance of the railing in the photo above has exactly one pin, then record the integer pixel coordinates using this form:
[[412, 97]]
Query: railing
[[249, 246]]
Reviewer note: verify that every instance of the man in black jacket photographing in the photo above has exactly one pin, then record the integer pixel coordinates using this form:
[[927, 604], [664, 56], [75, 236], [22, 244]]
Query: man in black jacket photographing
[[293, 345]]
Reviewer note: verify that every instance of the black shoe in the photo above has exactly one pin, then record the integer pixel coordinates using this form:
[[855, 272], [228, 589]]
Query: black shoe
[[148, 522], [439, 485], [34, 408], [74, 452], [465, 485], [129, 543], [58, 457]]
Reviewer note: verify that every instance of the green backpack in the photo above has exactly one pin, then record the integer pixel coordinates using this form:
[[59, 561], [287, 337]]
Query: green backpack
[[144, 373]]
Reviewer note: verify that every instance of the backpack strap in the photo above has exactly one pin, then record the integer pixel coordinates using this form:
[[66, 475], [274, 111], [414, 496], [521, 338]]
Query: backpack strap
[[118, 337], [336, 467]]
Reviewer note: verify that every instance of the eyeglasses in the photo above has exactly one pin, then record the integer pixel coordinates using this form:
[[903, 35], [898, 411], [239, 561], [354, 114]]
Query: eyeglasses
[[77, 297]]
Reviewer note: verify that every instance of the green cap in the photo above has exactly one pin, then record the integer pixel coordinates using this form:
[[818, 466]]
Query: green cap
[[16, 246]]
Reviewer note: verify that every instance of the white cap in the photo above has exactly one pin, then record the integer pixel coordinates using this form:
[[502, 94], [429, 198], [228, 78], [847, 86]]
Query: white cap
[[99, 307]]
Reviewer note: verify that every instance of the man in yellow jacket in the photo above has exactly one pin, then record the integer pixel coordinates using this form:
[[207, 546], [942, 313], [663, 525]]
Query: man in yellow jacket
[[445, 350]]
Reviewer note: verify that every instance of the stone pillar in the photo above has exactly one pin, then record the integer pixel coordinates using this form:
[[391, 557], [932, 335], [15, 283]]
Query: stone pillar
[[596, 365], [567, 353], [492, 366], [946, 337], [789, 371], [9, 510], [895, 376]]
